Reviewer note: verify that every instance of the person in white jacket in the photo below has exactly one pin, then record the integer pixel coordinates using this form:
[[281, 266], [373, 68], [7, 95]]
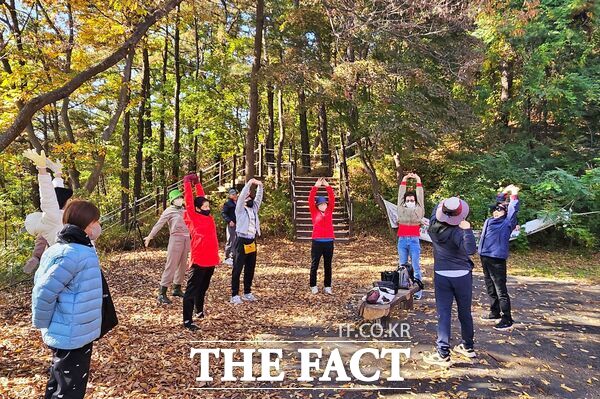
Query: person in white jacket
[[46, 224], [178, 249]]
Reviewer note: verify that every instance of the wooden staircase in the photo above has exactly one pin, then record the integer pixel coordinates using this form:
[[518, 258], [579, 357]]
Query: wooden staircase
[[302, 221]]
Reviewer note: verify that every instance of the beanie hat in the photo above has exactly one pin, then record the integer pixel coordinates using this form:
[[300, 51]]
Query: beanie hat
[[63, 195], [174, 194]]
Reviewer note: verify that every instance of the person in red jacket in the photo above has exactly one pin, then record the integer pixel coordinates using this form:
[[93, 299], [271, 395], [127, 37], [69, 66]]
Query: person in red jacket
[[204, 249], [321, 212]]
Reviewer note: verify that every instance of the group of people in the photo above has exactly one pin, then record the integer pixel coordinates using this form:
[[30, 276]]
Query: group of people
[[72, 305], [194, 246], [453, 245]]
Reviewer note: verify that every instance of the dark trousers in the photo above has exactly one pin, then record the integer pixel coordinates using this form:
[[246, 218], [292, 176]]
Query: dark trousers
[[197, 285], [494, 273], [447, 289], [242, 261], [69, 373], [318, 250]]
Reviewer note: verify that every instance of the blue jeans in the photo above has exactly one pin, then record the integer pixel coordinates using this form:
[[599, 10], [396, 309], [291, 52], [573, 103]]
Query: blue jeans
[[446, 290], [412, 246]]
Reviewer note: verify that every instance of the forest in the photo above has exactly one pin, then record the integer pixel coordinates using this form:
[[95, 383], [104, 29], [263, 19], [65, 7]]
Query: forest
[[473, 95]]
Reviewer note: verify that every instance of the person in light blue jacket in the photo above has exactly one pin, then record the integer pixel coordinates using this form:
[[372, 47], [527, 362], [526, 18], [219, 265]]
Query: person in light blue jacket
[[67, 300]]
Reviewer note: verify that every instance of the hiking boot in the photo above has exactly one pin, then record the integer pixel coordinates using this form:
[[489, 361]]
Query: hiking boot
[[504, 325], [191, 326], [466, 352], [177, 291], [228, 262], [236, 300], [162, 297], [328, 291], [437, 360], [249, 297], [491, 318], [314, 290]]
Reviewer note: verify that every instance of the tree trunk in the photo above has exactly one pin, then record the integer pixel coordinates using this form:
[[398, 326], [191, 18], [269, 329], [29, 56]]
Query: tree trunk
[[124, 95], [252, 133], [139, 154], [324, 134], [125, 169], [176, 121], [149, 161], [304, 139], [162, 167], [270, 139], [505, 95], [281, 141], [399, 168], [26, 113]]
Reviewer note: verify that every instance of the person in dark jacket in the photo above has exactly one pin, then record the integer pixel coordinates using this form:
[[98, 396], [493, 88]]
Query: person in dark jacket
[[228, 214], [453, 243], [493, 251], [71, 304]]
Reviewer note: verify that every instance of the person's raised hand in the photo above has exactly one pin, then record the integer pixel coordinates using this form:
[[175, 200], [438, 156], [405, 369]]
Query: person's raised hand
[[319, 182], [465, 225], [39, 160], [325, 182], [147, 241], [191, 178], [55, 166]]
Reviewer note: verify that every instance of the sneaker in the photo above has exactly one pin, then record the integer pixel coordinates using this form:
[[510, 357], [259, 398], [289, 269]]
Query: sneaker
[[490, 318], [467, 352], [436, 359], [236, 300], [418, 295], [314, 290], [200, 315], [228, 262], [249, 297], [328, 291], [163, 300], [504, 325], [191, 326]]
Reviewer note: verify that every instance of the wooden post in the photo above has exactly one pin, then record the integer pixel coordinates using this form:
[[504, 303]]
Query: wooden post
[[234, 171], [164, 197], [220, 171], [260, 159], [156, 200]]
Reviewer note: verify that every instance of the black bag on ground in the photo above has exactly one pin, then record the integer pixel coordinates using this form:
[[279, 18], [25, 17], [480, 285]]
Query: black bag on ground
[[390, 276]]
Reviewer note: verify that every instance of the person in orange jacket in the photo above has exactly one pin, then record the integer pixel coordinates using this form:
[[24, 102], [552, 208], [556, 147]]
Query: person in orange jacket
[[204, 249]]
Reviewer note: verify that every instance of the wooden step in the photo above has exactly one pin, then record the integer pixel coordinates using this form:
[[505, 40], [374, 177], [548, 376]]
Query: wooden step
[[314, 178]]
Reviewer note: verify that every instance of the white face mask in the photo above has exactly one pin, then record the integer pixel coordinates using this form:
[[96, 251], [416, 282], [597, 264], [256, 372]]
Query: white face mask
[[410, 204], [96, 231], [178, 202]]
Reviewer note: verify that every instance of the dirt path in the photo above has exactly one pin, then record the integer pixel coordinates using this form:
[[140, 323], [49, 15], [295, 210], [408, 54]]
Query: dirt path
[[553, 352]]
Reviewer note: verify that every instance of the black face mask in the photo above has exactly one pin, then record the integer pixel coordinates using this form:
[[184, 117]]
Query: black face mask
[[250, 203], [205, 213]]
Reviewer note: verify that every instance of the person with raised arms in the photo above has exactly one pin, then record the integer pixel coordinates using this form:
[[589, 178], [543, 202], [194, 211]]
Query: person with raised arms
[[178, 249], [247, 229], [321, 212], [204, 250]]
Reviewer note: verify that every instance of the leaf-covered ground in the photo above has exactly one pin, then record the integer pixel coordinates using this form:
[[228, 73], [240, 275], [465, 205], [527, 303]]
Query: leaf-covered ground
[[551, 354]]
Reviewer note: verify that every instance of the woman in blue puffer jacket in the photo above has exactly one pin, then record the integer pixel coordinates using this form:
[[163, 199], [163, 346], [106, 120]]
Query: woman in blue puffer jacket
[[67, 301]]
